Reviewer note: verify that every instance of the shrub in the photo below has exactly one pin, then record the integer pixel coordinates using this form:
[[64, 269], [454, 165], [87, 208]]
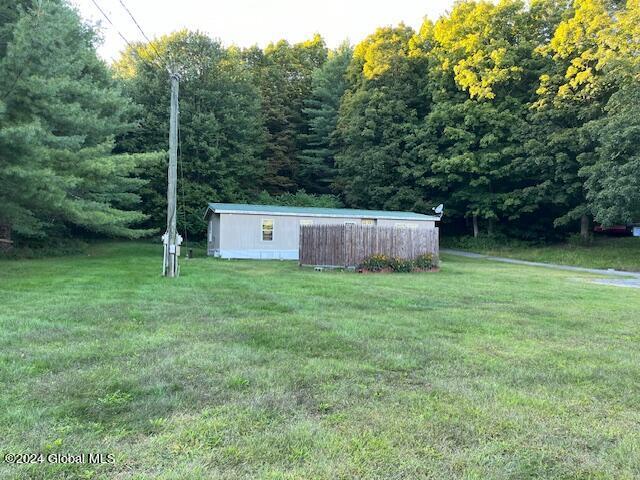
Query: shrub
[[300, 199], [576, 240], [376, 263], [380, 262], [426, 261], [402, 265], [484, 243]]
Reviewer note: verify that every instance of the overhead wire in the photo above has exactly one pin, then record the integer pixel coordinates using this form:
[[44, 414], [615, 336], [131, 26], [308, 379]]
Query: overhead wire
[[164, 64], [151, 44], [133, 48]]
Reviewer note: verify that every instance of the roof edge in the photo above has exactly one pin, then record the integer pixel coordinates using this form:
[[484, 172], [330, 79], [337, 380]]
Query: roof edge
[[390, 216]]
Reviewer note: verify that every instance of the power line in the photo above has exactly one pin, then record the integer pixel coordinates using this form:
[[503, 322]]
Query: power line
[[145, 35], [129, 44], [111, 23]]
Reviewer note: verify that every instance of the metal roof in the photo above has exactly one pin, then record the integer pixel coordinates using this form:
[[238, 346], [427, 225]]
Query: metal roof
[[314, 212]]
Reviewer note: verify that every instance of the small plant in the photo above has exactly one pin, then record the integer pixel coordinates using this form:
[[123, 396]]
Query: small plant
[[115, 399], [384, 263], [401, 265], [426, 261], [576, 240], [376, 263]]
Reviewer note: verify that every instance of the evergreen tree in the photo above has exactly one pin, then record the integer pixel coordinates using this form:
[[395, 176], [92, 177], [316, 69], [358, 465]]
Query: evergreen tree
[[221, 128], [283, 74], [317, 161], [59, 113]]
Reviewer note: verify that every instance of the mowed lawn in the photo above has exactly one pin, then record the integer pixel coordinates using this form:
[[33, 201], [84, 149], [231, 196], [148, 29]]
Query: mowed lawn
[[245, 369]]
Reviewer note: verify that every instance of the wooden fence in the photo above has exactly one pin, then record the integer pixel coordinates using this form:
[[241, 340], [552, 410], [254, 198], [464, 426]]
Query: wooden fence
[[348, 245]]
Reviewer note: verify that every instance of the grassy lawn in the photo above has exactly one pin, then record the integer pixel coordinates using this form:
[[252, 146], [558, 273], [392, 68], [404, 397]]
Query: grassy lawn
[[242, 369], [604, 252]]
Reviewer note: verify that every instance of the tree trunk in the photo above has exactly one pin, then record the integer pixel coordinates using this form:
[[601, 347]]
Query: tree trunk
[[475, 226], [585, 227], [490, 227], [5, 237]]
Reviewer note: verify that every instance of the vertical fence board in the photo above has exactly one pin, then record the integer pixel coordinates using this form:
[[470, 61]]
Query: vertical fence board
[[348, 245]]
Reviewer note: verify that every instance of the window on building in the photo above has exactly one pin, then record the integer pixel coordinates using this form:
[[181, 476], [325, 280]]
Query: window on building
[[267, 229], [349, 223], [306, 222], [211, 231], [368, 221], [406, 225]]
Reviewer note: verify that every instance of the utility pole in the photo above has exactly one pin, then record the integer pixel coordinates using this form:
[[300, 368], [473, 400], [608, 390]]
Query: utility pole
[[171, 239]]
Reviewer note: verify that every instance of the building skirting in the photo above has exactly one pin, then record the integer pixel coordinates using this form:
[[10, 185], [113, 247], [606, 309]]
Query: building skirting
[[256, 254]]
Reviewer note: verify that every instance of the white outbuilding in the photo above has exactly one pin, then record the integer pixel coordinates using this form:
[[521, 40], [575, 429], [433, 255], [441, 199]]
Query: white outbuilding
[[273, 232]]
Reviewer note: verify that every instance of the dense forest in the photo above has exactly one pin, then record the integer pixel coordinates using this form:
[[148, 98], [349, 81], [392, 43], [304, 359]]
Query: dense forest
[[522, 118]]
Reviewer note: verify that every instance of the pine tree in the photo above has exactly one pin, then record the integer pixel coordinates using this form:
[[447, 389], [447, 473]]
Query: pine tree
[[221, 126], [283, 74], [317, 161], [59, 114]]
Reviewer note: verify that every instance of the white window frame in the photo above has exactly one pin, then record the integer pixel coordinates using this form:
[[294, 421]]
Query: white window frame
[[349, 222], [262, 229], [369, 221], [306, 221]]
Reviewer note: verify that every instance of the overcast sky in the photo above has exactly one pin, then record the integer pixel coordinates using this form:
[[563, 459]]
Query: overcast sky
[[250, 22]]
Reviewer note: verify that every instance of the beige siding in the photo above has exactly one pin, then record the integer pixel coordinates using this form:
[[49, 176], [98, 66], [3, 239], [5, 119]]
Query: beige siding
[[213, 233], [240, 235]]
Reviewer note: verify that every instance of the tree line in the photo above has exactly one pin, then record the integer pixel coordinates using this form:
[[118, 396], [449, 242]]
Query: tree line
[[522, 118]]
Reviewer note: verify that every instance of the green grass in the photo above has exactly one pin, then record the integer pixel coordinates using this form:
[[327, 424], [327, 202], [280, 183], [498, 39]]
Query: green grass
[[242, 369], [603, 252]]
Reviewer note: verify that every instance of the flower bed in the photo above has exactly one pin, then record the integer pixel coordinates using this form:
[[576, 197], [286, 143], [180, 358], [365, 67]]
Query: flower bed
[[380, 263]]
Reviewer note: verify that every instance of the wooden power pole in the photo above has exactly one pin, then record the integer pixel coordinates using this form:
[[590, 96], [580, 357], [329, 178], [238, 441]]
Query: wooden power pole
[[171, 239]]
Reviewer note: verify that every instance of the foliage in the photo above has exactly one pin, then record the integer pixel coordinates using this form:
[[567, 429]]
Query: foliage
[[426, 261], [401, 265], [375, 263], [221, 132], [380, 263], [283, 74], [376, 125], [572, 92], [317, 161], [59, 113], [613, 176], [299, 199], [45, 247], [600, 252], [484, 242], [521, 117], [613, 180]]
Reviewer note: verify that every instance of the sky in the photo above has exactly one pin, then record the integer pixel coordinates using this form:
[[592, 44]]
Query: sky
[[250, 22]]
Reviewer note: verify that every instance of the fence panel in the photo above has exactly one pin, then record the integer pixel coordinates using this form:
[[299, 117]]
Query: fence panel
[[348, 245]]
